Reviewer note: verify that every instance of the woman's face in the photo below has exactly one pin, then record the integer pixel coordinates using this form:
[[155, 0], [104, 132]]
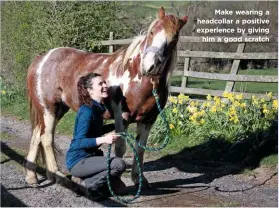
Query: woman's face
[[98, 89]]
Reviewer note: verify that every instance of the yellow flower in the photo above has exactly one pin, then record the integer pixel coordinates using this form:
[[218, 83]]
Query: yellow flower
[[254, 100], [235, 120], [4, 92], [239, 97], [202, 113], [193, 117], [236, 104], [192, 104], [269, 95], [266, 111], [208, 97], [202, 121], [243, 105], [206, 104], [174, 110], [192, 109], [225, 94], [186, 98], [173, 99], [213, 109], [262, 100], [275, 104], [171, 126]]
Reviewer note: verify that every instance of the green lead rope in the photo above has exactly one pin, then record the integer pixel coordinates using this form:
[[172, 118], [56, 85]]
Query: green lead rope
[[130, 138]]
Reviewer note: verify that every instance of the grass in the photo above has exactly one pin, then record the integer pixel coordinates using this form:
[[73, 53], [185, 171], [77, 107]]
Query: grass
[[66, 124], [271, 160], [6, 136], [239, 86]]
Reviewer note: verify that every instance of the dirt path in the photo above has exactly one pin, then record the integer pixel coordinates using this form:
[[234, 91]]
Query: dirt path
[[175, 182]]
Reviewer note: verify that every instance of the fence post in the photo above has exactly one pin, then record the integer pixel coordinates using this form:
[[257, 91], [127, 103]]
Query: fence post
[[110, 38], [235, 65], [185, 69]]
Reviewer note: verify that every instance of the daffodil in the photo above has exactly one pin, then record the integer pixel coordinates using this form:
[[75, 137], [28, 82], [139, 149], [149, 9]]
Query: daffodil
[[3, 92], [262, 100], [275, 104], [255, 100], [208, 97], [213, 109], [243, 105], [171, 126], [202, 121], [239, 97], [174, 110], [173, 99], [192, 109], [269, 95], [206, 104]]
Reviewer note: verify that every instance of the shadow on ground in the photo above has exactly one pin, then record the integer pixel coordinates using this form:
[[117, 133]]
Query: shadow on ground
[[216, 157], [9, 200], [64, 181]]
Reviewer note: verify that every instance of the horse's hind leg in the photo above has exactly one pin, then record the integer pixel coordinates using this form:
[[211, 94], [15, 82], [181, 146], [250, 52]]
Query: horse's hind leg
[[31, 177], [142, 135], [47, 139]]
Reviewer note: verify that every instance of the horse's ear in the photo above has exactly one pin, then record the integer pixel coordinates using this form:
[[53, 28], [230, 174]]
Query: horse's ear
[[161, 13], [183, 21]]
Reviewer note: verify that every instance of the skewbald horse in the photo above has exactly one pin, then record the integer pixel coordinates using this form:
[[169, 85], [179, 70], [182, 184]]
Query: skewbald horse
[[52, 88]]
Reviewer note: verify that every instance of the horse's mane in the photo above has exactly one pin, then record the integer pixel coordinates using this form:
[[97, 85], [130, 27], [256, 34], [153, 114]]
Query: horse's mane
[[134, 48]]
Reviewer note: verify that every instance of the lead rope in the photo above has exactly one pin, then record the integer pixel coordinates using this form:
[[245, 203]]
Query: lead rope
[[130, 138]]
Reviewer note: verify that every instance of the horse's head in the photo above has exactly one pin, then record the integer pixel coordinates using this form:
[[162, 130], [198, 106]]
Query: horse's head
[[161, 39]]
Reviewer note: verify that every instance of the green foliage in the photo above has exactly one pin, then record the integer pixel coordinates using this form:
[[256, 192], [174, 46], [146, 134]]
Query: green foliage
[[31, 28], [232, 119], [271, 160]]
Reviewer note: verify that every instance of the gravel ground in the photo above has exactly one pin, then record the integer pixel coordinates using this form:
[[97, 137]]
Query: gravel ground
[[174, 182]]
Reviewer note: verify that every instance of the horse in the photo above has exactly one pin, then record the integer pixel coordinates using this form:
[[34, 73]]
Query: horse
[[52, 89]]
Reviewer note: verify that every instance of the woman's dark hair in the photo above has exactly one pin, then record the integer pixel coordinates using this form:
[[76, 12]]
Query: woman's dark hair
[[83, 84]]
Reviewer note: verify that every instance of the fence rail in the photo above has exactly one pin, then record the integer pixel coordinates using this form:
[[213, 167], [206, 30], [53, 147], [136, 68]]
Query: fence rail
[[189, 39], [230, 78]]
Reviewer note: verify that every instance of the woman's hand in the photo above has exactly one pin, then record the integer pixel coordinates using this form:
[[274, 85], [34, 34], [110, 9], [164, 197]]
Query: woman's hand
[[108, 139]]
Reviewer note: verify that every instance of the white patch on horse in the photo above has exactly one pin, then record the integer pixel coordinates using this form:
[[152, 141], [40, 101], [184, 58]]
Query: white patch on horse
[[47, 141], [125, 80], [63, 97], [159, 41], [39, 79]]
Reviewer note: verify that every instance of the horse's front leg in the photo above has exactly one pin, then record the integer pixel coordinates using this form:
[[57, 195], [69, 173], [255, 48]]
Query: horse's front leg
[[121, 125], [142, 135]]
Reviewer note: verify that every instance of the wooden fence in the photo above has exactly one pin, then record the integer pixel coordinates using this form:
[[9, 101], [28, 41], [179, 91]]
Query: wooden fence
[[230, 78]]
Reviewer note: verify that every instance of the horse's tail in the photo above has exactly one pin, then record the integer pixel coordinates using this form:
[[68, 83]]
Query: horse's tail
[[35, 116]]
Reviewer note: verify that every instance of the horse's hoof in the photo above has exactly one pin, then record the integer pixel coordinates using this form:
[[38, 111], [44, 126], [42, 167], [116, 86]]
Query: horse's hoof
[[32, 181], [60, 177], [50, 176]]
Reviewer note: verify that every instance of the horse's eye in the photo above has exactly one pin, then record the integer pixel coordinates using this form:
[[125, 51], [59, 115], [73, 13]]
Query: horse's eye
[[151, 33]]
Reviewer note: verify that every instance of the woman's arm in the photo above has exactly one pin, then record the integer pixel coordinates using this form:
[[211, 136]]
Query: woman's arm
[[83, 124]]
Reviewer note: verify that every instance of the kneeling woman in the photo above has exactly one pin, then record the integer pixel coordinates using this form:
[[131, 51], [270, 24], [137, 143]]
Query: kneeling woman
[[84, 159]]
